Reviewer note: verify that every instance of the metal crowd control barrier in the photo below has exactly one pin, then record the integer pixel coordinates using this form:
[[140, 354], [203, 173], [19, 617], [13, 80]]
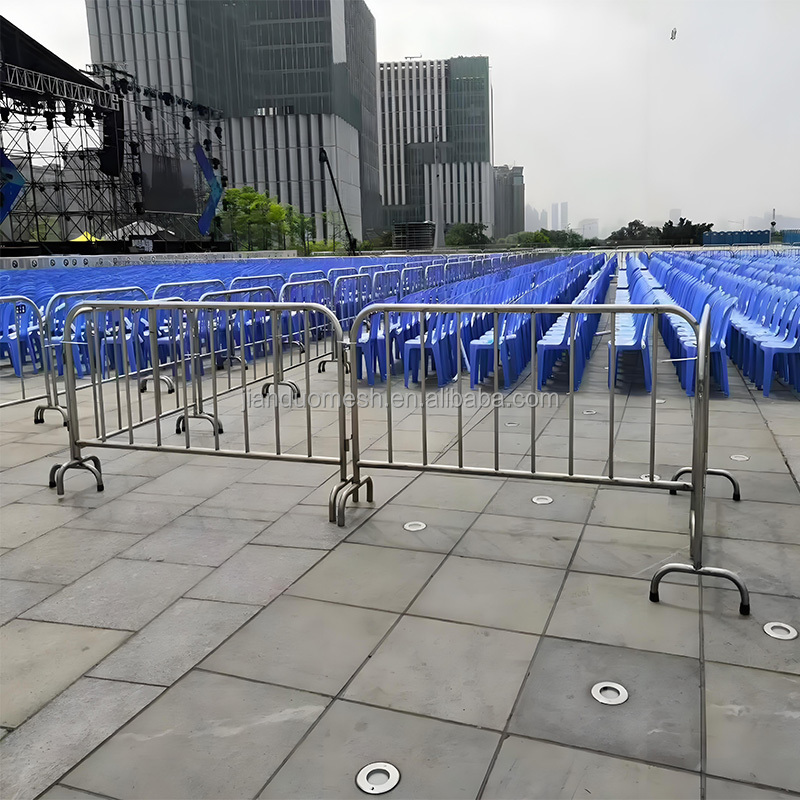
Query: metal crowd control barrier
[[386, 285], [698, 470], [187, 290], [412, 279], [58, 342], [274, 281], [126, 419], [22, 331]]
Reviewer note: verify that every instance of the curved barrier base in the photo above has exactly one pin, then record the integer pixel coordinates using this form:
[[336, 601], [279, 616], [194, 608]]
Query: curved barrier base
[[721, 473], [713, 572], [89, 463]]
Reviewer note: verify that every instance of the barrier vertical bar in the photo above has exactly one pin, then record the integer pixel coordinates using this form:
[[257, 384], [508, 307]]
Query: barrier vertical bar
[[571, 467], [459, 410], [126, 366], [496, 356], [654, 387], [612, 386], [534, 395], [152, 324], [243, 372], [308, 379], [423, 367], [388, 344]]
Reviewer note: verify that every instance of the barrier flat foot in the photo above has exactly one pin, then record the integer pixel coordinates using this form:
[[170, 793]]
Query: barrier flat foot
[[654, 597], [744, 609], [737, 496]]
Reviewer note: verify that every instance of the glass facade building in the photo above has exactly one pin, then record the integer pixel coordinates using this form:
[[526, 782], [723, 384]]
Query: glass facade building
[[260, 59], [436, 141]]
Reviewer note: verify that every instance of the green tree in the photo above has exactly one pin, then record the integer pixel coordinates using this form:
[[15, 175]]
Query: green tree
[[685, 232], [466, 234], [636, 232]]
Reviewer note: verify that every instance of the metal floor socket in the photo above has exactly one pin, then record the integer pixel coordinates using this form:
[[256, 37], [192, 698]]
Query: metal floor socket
[[378, 778], [646, 476], [780, 630], [739, 457], [415, 525], [609, 693], [542, 500]]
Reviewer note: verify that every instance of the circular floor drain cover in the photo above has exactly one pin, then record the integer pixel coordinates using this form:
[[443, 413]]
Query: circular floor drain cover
[[609, 694], [646, 476], [415, 526], [512, 424], [661, 402], [740, 457], [780, 630], [378, 778], [589, 412], [542, 500]]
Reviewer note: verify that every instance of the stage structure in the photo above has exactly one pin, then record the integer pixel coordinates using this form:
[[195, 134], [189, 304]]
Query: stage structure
[[97, 156]]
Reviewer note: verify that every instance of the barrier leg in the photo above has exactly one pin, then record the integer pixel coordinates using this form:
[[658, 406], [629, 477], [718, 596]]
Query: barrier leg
[[38, 414], [713, 572], [88, 463], [352, 491], [720, 473]]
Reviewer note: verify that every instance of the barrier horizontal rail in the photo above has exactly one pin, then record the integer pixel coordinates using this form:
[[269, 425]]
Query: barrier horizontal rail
[[381, 314], [124, 418]]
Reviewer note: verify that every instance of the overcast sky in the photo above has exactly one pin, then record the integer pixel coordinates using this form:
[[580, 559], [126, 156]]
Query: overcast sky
[[595, 100]]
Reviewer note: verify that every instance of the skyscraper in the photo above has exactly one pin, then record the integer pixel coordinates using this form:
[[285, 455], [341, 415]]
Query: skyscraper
[[509, 201], [554, 226], [564, 220], [543, 221], [289, 75], [435, 139]]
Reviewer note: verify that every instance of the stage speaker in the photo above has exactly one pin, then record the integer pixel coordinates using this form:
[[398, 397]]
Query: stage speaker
[[111, 155]]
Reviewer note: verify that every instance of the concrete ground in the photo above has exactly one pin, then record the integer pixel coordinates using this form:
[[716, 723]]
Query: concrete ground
[[200, 630]]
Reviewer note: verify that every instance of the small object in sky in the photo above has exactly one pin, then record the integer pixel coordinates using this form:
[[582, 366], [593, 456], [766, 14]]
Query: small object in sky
[[674, 34]]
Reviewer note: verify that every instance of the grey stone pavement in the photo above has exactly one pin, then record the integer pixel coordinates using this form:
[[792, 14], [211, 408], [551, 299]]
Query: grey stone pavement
[[200, 630]]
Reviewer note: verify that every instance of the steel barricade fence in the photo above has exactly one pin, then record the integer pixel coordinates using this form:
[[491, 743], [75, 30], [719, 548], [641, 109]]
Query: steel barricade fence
[[274, 281], [386, 286], [443, 330], [58, 338], [187, 290], [412, 279], [255, 427], [22, 332], [351, 293]]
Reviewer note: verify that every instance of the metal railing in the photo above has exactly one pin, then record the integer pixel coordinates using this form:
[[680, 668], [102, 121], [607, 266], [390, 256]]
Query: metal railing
[[124, 418], [382, 313]]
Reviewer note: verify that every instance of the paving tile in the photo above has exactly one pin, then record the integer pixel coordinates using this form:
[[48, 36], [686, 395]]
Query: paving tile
[[734, 639], [437, 760], [11, 492], [210, 736], [375, 577], [18, 596], [761, 459], [134, 514], [752, 717], [78, 493], [766, 567], [63, 555], [174, 642], [148, 464], [659, 723], [544, 542], [453, 492], [765, 487], [717, 789], [23, 522], [441, 669], [630, 553], [41, 659], [119, 594], [526, 769], [207, 541], [748, 519], [302, 643], [309, 526], [65, 731], [256, 574], [247, 500], [613, 610], [571, 503], [492, 593], [17, 453], [196, 480], [444, 528], [648, 510], [291, 474], [65, 793]]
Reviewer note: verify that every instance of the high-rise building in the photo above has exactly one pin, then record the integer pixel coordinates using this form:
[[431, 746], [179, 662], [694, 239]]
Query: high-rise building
[[532, 220], [554, 226], [589, 228], [436, 141], [509, 201], [543, 221], [290, 76], [564, 219]]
